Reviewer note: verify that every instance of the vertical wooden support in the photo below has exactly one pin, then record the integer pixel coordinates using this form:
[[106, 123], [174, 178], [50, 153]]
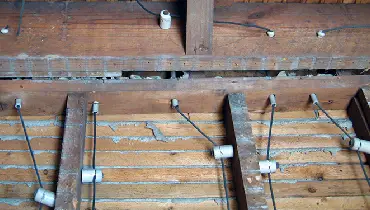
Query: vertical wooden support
[[357, 116], [363, 97], [247, 178], [69, 179], [359, 112], [199, 27]]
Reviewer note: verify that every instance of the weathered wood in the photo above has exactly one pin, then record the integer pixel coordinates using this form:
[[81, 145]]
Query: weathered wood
[[114, 66], [320, 203], [312, 164], [312, 203], [48, 98], [68, 194], [71, 40], [358, 117], [363, 98], [199, 27], [173, 158], [230, 2], [190, 143], [246, 175], [359, 113], [206, 190], [313, 172]]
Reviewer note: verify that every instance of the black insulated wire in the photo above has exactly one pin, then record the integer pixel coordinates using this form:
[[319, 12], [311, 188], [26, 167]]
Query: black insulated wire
[[153, 13], [346, 27], [94, 164], [249, 25], [349, 136], [21, 17], [214, 144], [195, 126], [268, 154], [30, 150]]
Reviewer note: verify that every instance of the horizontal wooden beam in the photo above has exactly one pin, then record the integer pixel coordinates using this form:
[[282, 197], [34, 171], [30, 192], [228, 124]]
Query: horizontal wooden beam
[[114, 66], [69, 179], [203, 95], [230, 2], [63, 39]]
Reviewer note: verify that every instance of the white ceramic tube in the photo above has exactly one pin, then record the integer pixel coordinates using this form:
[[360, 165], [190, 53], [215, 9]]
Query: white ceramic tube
[[268, 166], [320, 34], [45, 197], [272, 99], [314, 98], [5, 30], [95, 107], [174, 103], [165, 19], [88, 175], [18, 103], [361, 145], [270, 34], [225, 151]]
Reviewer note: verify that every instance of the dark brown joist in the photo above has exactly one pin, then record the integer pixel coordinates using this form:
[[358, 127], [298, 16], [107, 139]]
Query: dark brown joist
[[69, 179], [196, 96], [359, 111], [63, 40], [199, 27], [249, 187], [363, 97]]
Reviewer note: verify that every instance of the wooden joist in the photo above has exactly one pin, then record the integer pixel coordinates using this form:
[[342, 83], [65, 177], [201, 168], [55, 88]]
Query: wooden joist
[[144, 170], [69, 180], [83, 40], [249, 189], [199, 27], [363, 98], [196, 95]]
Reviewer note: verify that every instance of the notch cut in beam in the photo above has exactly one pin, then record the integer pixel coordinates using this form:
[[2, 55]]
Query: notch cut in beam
[[249, 188], [199, 27], [69, 179]]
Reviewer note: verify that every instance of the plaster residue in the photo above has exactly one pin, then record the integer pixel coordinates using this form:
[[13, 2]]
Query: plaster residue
[[156, 132]]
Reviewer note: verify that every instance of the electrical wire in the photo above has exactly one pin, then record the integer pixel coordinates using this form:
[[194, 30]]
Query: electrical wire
[[195, 126], [270, 131], [30, 150], [349, 136], [29, 147], [21, 17], [94, 164], [268, 153], [346, 27], [151, 12], [249, 25], [214, 144]]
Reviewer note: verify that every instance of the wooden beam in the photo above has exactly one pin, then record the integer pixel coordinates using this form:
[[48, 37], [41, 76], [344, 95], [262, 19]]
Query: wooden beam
[[199, 27], [358, 118], [223, 3], [203, 95], [363, 97], [100, 66], [69, 179], [249, 187], [52, 45]]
